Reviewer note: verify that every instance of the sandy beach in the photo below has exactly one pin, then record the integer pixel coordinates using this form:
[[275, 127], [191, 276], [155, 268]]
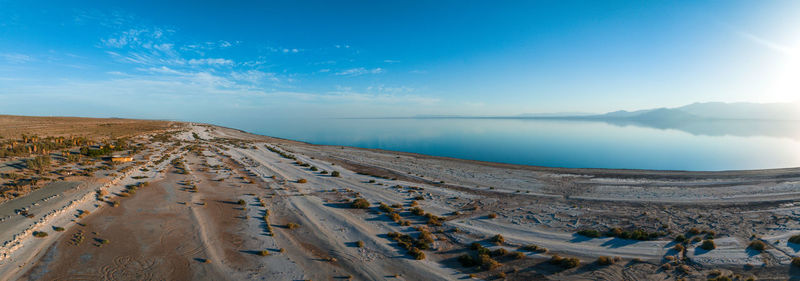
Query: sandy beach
[[228, 205]]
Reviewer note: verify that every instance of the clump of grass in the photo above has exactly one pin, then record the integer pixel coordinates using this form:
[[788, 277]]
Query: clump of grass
[[292, 225], [534, 248], [58, 228], [241, 202], [335, 174], [39, 234], [565, 262], [263, 253], [591, 233], [499, 252], [679, 247], [604, 260], [708, 245], [518, 255], [360, 244], [302, 181], [360, 203], [498, 239], [757, 245], [492, 216]]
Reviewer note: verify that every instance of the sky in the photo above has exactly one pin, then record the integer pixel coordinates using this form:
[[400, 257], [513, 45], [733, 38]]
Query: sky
[[209, 60]]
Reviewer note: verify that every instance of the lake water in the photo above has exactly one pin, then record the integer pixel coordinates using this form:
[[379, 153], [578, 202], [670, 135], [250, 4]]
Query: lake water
[[710, 145]]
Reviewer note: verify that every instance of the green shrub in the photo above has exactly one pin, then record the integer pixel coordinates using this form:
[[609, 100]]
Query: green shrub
[[241, 202], [499, 252], [416, 253], [565, 262], [360, 203], [604, 260], [591, 233], [335, 174], [498, 239], [757, 245], [708, 245], [486, 262], [39, 234], [467, 260], [58, 228]]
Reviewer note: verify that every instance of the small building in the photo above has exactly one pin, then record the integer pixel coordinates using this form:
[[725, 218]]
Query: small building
[[121, 159]]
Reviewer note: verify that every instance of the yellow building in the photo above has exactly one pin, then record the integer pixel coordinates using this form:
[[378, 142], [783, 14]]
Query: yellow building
[[121, 159]]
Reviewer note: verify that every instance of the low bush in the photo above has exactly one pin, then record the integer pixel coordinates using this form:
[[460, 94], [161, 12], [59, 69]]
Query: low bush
[[591, 233], [58, 228], [467, 260], [604, 260], [335, 174], [292, 225], [486, 262], [360, 203], [498, 252], [518, 255], [492, 215], [679, 247], [708, 245], [564, 262], [795, 239], [417, 253], [39, 234], [757, 245], [360, 244], [241, 202], [302, 181], [498, 239]]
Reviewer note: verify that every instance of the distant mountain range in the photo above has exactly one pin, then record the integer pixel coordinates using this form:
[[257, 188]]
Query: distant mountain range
[[710, 110]]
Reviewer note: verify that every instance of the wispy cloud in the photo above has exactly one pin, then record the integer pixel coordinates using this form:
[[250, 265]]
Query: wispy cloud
[[217, 61], [359, 71], [772, 45], [391, 61], [15, 57]]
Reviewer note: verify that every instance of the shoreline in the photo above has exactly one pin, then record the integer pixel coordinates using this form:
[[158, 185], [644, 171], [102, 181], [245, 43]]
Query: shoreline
[[793, 171]]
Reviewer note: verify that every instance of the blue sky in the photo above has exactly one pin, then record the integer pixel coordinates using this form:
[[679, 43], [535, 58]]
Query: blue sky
[[203, 60]]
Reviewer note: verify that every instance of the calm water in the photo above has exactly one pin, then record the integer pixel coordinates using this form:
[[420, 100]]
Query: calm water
[[560, 143]]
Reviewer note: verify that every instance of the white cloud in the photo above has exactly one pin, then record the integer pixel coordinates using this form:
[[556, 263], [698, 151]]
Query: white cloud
[[360, 71], [255, 76], [211, 61], [391, 61]]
